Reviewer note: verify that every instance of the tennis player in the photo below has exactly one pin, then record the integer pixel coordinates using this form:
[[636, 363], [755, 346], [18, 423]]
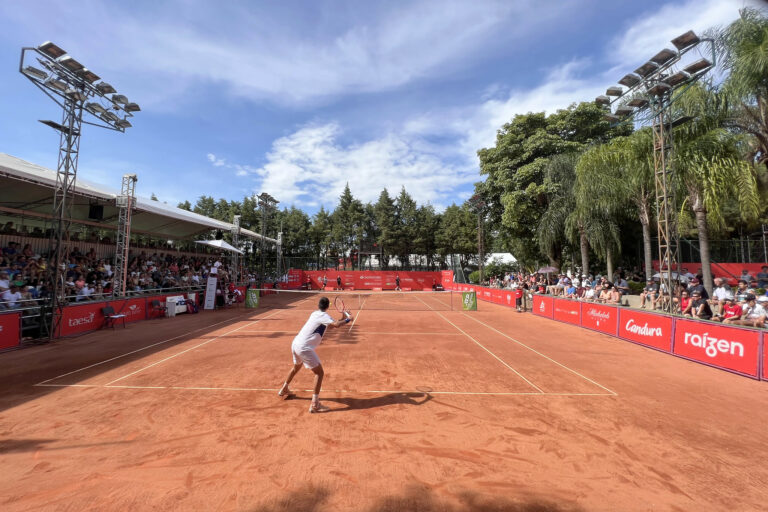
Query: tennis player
[[303, 349]]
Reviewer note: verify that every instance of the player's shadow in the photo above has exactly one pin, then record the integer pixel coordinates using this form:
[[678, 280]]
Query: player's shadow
[[406, 398]]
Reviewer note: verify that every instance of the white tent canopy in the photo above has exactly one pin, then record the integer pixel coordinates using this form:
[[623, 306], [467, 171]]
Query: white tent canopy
[[219, 244], [28, 190]]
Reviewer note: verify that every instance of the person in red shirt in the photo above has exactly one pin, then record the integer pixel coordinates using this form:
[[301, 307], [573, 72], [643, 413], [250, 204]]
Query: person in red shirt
[[685, 304], [731, 311]]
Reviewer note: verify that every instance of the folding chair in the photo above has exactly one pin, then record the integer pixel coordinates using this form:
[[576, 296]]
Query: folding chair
[[157, 307], [110, 317]]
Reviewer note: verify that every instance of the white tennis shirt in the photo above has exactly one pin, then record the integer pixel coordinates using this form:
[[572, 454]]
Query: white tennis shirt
[[316, 324]]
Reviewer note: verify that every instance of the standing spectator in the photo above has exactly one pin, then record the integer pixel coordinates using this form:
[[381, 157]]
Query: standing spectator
[[696, 286], [325, 281], [762, 277], [12, 297], [338, 282], [745, 275]]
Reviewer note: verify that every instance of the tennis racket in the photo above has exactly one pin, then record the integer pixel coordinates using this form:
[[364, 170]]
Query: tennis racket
[[338, 303]]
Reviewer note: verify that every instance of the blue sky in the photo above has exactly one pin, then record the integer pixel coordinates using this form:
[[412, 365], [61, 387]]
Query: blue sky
[[297, 98]]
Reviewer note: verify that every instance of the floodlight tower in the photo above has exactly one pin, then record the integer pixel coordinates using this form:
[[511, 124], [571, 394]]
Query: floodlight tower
[[73, 87], [125, 203], [651, 91], [266, 203]]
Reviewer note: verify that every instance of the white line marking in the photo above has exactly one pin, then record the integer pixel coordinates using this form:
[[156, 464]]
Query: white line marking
[[542, 355], [187, 350], [337, 391], [139, 350], [355, 320], [481, 346]]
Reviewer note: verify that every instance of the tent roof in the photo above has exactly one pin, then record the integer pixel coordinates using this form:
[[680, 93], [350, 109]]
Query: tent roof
[[29, 188]]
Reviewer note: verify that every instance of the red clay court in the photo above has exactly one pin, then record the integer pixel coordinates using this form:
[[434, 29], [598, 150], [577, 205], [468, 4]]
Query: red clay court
[[433, 409]]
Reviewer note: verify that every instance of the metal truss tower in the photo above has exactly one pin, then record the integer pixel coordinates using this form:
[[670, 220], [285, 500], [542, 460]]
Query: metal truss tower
[[234, 257], [125, 203]]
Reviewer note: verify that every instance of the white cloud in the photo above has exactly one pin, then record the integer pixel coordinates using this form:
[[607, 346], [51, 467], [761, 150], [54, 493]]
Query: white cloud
[[283, 56], [310, 167], [217, 162]]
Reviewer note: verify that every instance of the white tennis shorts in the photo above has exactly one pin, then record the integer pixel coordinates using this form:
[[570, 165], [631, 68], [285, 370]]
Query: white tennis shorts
[[306, 355]]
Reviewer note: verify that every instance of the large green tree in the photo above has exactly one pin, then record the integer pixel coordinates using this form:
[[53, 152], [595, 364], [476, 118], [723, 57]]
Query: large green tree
[[515, 188]]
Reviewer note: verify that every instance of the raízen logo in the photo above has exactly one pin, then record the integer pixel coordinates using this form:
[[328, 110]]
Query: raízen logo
[[712, 345]]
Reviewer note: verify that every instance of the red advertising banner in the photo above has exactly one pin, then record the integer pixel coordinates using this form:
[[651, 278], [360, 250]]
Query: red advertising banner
[[567, 311], [78, 319], [765, 357], [646, 329], [368, 280], [543, 305], [9, 330], [725, 347], [294, 278], [484, 294], [508, 298], [133, 309], [446, 279], [600, 317]]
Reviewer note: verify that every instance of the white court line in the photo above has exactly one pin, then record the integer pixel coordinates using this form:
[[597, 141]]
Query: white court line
[[542, 355], [481, 346], [139, 350], [375, 332], [187, 350], [337, 391]]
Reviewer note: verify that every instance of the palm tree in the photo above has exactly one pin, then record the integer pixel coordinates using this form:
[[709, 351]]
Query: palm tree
[[743, 46], [618, 173], [710, 167]]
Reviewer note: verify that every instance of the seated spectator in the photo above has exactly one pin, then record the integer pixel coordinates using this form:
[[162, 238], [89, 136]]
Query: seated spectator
[[621, 286], [685, 303], [730, 312], [605, 293], [742, 290], [700, 307], [746, 276], [753, 315], [721, 292], [570, 292], [651, 291], [589, 292]]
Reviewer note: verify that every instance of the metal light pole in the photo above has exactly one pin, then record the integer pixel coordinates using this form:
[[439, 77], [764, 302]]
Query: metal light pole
[[651, 90], [478, 204], [234, 257], [70, 85]]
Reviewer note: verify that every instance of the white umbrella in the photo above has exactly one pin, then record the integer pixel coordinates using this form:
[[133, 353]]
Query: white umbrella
[[219, 244], [675, 275]]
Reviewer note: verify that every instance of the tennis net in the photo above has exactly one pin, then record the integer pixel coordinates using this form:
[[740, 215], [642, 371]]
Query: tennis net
[[359, 300]]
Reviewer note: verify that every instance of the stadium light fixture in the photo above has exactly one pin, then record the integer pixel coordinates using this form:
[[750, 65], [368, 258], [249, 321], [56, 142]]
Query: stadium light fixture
[[95, 108], [119, 98], [74, 94], [624, 111], [697, 66], [663, 56], [630, 80], [105, 88], [638, 102], [614, 91], [123, 123], [677, 78], [56, 84], [51, 50], [35, 73], [132, 107], [87, 75], [603, 100], [683, 41], [646, 69], [70, 63]]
